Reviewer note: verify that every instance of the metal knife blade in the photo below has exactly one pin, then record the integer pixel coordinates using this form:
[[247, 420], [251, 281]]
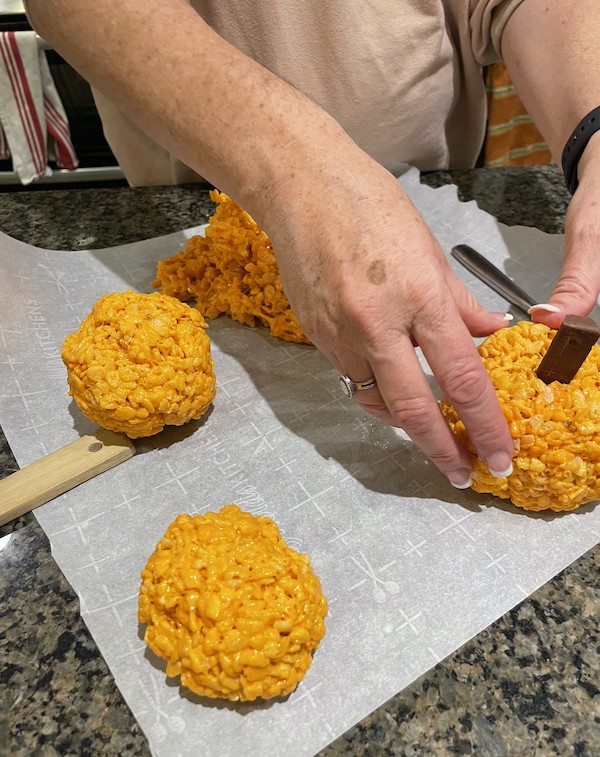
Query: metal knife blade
[[492, 276]]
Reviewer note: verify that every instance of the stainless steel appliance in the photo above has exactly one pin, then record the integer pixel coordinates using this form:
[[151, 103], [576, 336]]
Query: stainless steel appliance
[[97, 164]]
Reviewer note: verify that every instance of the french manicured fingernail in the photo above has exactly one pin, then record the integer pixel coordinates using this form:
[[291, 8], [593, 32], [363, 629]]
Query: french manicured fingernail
[[504, 316], [543, 306], [500, 465], [460, 479]]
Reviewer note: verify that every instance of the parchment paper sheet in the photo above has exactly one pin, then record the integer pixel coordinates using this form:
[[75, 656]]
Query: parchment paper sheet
[[412, 568]]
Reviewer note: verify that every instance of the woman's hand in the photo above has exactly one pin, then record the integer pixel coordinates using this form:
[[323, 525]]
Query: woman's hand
[[576, 291], [361, 269], [369, 282]]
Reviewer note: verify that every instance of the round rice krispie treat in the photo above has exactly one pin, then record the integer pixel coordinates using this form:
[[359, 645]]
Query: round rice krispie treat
[[555, 427], [140, 362], [232, 609]]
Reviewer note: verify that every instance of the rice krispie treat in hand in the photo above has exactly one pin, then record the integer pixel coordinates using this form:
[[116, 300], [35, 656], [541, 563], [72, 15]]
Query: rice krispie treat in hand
[[555, 426]]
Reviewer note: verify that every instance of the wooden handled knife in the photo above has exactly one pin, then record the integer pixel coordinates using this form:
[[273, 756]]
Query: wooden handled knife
[[61, 470]]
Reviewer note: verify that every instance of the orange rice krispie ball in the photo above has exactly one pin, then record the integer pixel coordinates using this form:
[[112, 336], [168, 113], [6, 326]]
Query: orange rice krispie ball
[[231, 608], [139, 362], [556, 427], [231, 270]]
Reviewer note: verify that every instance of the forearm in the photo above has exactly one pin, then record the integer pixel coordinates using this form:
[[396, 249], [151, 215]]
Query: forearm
[[360, 268], [551, 51], [224, 115]]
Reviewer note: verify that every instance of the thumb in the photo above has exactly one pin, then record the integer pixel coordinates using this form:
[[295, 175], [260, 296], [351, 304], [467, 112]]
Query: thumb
[[576, 291]]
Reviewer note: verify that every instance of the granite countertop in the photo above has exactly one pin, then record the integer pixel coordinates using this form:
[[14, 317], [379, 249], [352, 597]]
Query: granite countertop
[[527, 685]]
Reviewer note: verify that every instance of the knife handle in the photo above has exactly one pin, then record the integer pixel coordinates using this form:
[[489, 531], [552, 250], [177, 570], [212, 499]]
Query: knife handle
[[60, 471], [492, 276]]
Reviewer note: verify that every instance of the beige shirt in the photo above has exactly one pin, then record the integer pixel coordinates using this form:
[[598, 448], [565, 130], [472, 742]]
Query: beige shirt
[[403, 77]]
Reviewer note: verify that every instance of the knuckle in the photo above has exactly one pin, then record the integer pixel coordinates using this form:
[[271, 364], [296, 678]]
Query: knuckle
[[576, 282], [412, 413], [361, 314], [430, 302], [466, 385]]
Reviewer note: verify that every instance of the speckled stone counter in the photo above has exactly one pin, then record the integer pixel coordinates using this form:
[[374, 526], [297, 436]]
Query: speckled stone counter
[[527, 685]]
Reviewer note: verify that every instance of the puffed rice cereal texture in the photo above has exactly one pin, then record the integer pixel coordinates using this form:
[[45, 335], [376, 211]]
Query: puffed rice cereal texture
[[231, 270], [555, 427], [233, 610], [139, 362]]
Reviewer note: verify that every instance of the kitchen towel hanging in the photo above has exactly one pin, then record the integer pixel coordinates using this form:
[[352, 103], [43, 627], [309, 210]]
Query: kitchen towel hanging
[[32, 116]]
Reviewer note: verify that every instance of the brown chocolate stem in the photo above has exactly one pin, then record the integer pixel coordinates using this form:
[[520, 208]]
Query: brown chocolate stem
[[569, 348]]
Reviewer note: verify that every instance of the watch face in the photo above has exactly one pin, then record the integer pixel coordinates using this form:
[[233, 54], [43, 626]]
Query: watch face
[[347, 386]]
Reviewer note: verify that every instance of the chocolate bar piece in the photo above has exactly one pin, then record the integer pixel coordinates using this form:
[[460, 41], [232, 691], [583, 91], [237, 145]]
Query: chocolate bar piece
[[569, 348]]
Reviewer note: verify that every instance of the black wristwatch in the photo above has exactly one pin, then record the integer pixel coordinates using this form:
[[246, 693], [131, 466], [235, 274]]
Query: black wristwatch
[[575, 146]]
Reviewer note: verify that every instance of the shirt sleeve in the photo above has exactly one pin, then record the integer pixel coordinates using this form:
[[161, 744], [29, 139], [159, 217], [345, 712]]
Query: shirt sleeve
[[487, 19]]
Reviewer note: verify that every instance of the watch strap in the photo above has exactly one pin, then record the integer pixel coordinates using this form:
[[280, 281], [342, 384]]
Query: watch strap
[[575, 146]]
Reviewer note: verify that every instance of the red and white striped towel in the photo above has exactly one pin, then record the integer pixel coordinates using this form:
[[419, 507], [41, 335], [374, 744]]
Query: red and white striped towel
[[32, 117]]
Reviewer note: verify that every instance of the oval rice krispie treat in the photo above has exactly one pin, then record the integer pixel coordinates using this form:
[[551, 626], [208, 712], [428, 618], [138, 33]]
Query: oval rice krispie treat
[[555, 427], [139, 362], [232, 609]]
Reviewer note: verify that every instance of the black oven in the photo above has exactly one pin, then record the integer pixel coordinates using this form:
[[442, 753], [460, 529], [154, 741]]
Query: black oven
[[97, 164]]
